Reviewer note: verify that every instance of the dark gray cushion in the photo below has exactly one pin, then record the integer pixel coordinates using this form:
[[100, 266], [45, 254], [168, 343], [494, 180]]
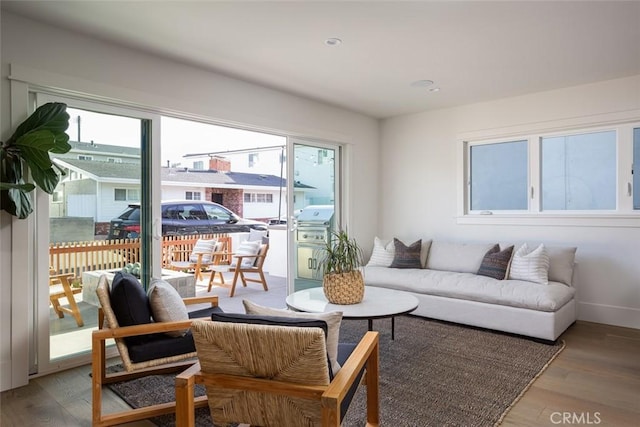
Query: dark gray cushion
[[344, 351], [129, 303], [156, 346], [406, 256]]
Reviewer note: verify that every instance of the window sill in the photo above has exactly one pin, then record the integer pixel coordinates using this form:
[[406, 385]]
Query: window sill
[[568, 220]]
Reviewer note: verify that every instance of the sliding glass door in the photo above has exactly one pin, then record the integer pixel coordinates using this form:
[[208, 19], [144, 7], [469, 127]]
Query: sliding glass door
[[107, 174], [315, 208]]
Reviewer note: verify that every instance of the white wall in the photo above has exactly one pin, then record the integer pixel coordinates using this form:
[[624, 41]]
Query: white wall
[[419, 190], [56, 58]]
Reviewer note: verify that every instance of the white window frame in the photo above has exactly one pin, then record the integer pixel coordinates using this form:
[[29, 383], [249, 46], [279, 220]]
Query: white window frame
[[84, 157], [195, 195], [623, 216]]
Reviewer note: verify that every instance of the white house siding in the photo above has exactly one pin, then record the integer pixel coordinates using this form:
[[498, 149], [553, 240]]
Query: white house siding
[[418, 195], [109, 208], [48, 56]]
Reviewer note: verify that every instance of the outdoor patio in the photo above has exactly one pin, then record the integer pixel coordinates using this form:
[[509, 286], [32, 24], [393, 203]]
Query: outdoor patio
[[67, 338]]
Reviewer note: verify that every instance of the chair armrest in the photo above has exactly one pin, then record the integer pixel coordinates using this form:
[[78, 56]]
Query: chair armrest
[[148, 328], [63, 276], [213, 299], [367, 349]]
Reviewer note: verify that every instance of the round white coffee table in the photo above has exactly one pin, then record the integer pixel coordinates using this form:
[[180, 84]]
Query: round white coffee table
[[377, 303]]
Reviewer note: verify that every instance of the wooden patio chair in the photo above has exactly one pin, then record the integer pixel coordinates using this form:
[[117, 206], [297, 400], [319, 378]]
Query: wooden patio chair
[[243, 264], [144, 348], [60, 287], [200, 257], [275, 376]]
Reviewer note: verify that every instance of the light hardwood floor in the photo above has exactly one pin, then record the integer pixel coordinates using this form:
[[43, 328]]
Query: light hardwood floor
[[594, 381]]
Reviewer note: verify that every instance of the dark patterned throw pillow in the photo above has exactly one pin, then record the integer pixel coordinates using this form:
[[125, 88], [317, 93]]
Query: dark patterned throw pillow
[[496, 262], [406, 256]]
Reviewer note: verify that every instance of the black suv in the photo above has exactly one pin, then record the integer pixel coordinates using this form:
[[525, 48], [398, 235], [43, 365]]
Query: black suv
[[184, 217]]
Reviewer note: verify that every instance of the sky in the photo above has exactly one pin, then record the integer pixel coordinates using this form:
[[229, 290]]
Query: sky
[[179, 137]]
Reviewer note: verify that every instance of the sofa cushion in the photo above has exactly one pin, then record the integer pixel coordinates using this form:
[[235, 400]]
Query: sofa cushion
[[383, 252], [496, 262], [469, 286], [531, 265], [333, 320], [406, 256], [561, 264], [458, 257]]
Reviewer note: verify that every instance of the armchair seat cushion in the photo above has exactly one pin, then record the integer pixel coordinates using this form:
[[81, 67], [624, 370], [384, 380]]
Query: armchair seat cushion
[[158, 346]]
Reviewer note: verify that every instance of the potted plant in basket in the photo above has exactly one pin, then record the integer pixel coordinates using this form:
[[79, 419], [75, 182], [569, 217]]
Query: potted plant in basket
[[342, 279]]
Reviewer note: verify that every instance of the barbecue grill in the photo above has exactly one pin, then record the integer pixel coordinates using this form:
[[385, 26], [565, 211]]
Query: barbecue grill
[[314, 226]]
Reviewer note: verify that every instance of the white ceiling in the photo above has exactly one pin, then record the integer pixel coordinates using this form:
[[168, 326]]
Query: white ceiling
[[473, 50]]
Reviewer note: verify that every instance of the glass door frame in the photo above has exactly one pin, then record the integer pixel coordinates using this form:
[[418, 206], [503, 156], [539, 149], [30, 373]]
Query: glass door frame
[[339, 217], [150, 183]]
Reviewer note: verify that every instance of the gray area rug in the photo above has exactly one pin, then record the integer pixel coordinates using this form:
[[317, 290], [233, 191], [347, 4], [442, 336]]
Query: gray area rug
[[433, 374]]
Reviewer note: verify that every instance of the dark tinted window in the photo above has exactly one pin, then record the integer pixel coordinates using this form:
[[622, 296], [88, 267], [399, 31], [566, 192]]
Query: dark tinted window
[[132, 213]]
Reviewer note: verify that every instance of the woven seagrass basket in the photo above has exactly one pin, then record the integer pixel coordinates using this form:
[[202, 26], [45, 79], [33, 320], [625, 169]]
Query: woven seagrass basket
[[344, 288]]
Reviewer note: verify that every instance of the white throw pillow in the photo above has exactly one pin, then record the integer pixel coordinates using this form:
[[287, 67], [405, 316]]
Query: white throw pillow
[[167, 305], [530, 265], [382, 255], [333, 320], [205, 247], [256, 235], [247, 248]]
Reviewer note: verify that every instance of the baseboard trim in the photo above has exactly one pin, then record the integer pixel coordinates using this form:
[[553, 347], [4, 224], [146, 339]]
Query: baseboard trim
[[609, 314]]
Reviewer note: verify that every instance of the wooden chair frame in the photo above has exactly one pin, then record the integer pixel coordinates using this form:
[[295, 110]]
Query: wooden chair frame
[[240, 272], [66, 291], [198, 265], [100, 376], [330, 397]]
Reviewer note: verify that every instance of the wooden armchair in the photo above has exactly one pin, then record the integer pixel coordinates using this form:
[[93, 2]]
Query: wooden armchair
[[200, 257], [144, 350], [274, 376], [59, 287], [242, 265]]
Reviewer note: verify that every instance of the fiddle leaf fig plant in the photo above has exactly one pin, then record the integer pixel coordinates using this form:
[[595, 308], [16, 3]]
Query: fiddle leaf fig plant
[[43, 132]]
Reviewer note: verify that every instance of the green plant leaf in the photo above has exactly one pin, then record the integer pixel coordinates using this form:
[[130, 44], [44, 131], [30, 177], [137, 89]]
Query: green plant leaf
[[17, 202], [43, 132], [46, 179], [53, 117], [35, 146]]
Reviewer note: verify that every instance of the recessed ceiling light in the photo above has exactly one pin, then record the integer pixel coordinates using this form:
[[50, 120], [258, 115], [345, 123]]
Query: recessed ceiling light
[[333, 41], [422, 83], [434, 89]]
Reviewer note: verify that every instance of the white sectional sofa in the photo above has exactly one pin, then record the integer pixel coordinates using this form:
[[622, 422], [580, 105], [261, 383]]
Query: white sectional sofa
[[448, 288]]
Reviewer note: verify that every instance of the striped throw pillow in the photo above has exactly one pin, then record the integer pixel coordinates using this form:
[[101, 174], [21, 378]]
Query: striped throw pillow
[[382, 255], [530, 265], [407, 256], [495, 262], [204, 247]]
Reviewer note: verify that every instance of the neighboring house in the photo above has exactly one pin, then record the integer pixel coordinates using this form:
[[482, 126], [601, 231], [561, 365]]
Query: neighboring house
[[102, 189], [312, 165]]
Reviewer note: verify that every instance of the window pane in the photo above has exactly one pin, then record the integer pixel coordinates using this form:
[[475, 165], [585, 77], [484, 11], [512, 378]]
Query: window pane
[[579, 172], [120, 194], [499, 176], [636, 168]]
